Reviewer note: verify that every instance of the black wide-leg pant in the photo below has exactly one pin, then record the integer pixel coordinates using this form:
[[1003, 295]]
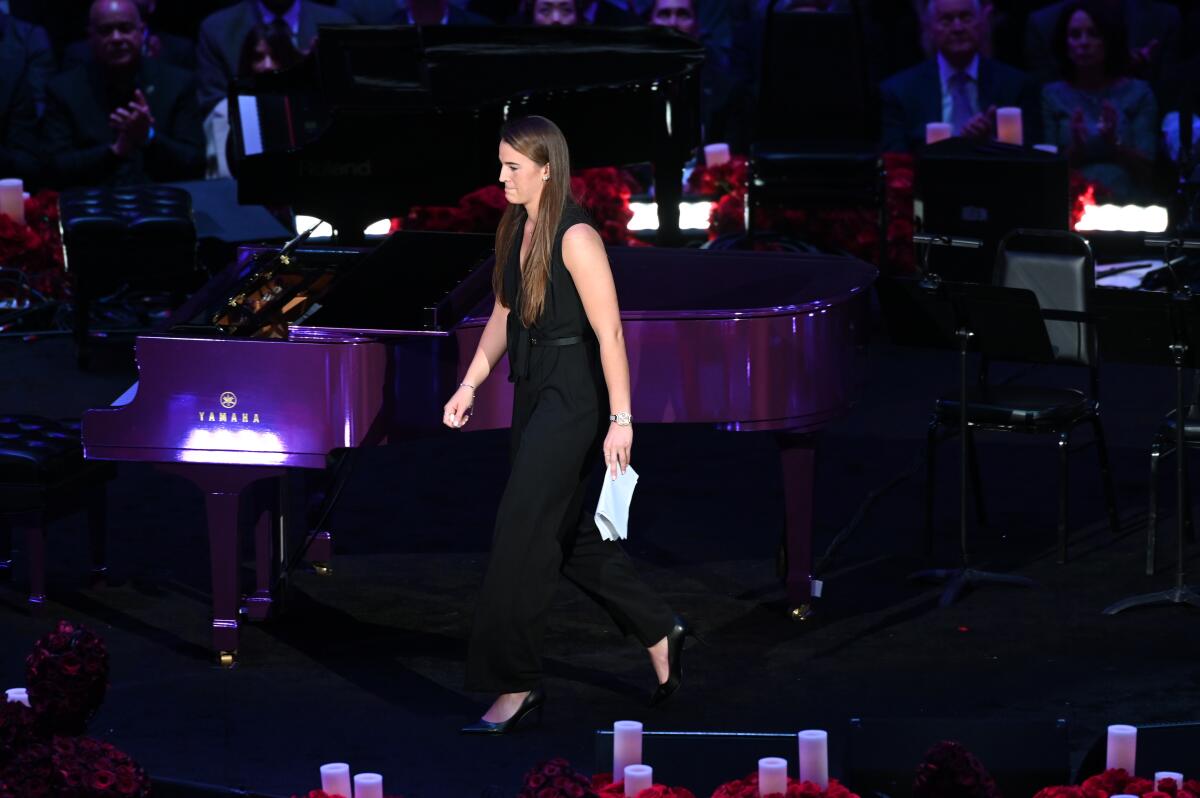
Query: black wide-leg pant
[[544, 528]]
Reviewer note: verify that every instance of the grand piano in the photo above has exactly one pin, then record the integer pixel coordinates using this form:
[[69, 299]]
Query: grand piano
[[285, 364]]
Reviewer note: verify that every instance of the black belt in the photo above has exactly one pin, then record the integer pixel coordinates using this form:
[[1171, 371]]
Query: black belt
[[570, 340]]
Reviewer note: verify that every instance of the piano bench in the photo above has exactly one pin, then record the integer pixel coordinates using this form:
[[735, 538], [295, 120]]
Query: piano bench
[[43, 477]]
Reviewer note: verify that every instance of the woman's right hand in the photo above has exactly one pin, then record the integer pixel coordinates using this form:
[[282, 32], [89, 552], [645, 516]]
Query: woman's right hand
[[458, 410]]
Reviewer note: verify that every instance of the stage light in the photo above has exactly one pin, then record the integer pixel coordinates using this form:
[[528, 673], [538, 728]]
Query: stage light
[[692, 216], [324, 229], [379, 229], [1123, 219]]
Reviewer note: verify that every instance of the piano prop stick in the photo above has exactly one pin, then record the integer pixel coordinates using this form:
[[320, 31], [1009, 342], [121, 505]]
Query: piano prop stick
[[1008, 126]]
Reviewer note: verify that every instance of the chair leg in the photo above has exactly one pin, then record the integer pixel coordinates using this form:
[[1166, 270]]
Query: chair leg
[[1110, 494], [930, 473], [1064, 449], [35, 544], [1156, 454], [976, 481], [97, 520]]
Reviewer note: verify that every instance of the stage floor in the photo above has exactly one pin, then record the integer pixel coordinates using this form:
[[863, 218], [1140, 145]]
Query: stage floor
[[367, 664]]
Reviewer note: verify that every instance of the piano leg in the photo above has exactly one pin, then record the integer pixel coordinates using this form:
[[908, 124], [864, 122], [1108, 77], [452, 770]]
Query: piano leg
[[668, 192], [224, 488], [265, 512], [797, 457]]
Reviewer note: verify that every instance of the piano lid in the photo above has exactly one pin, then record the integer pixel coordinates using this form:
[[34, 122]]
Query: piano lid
[[403, 116], [411, 281]]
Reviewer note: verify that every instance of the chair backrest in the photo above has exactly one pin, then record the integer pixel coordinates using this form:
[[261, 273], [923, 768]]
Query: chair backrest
[[1059, 268], [814, 86]]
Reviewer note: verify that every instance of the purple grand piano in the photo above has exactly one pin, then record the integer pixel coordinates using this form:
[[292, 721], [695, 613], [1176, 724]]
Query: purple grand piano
[[283, 363]]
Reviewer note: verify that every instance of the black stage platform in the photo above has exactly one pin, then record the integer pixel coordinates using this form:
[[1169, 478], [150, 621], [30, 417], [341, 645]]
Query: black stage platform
[[367, 665]]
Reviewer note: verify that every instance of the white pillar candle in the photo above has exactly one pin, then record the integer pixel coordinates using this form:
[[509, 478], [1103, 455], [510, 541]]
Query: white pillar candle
[[772, 775], [335, 779], [937, 131], [17, 695], [716, 154], [368, 785], [1122, 748], [627, 746], [1008, 126], [1050, 148], [1168, 774], [814, 757], [12, 199], [638, 778]]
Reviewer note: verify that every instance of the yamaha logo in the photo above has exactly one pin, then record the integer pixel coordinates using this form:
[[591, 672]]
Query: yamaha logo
[[229, 400]]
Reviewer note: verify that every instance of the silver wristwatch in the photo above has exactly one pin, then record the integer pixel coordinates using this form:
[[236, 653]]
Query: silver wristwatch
[[621, 419]]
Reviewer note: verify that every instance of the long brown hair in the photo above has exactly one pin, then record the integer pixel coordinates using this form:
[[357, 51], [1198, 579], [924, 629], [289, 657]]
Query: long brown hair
[[539, 140]]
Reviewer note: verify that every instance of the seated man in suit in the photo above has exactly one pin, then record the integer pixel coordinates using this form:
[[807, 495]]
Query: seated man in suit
[[410, 12], [1152, 27], [957, 86], [222, 35], [25, 57], [121, 119], [175, 50], [25, 63]]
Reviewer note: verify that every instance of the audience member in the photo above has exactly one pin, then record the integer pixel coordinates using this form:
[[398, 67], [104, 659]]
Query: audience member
[[261, 53], [957, 86], [410, 12], [222, 35], [714, 20], [26, 58], [174, 50], [1105, 122], [121, 119], [608, 13], [24, 50], [1152, 32], [552, 12], [715, 84]]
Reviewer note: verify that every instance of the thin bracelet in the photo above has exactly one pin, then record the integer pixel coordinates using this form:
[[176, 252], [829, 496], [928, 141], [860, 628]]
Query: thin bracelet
[[467, 385]]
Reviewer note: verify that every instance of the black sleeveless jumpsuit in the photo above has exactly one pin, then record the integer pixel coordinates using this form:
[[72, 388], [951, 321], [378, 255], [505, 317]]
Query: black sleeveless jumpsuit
[[544, 527]]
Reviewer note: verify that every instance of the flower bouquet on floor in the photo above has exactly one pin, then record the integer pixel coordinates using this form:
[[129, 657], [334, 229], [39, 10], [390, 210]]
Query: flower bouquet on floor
[[1117, 781], [42, 752], [605, 787]]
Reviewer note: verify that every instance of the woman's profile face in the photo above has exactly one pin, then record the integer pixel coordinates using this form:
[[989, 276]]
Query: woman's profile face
[[520, 176], [1085, 45], [554, 12]]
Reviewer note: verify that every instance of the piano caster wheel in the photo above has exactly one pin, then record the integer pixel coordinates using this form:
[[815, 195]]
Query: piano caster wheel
[[802, 613], [227, 659], [322, 568]]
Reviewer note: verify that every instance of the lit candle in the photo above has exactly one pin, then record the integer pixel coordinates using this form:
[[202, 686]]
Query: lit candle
[[12, 199], [1008, 126], [17, 695], [937, 131], [627, 746], [638, 778], [368, 785], [335, 779], [772, 775], [1122, 747], [1050, 148], [716, 154], [814, 757], [1167, 774]]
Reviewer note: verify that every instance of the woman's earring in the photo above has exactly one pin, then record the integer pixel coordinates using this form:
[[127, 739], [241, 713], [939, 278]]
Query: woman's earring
[[545, 178]]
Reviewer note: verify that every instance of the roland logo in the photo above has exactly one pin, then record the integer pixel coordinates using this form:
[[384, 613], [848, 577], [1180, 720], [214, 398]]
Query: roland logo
[[228, 413], [335, 169]]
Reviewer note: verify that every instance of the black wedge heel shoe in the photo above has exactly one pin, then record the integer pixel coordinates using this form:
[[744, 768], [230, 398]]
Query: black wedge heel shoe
[[534, 702], [675, 638]]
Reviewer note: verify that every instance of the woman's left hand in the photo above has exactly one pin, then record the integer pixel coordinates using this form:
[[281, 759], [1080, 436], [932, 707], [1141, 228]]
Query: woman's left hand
[[617, 446]]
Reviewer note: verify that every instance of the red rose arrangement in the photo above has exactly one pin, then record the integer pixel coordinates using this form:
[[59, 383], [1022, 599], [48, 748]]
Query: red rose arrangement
[[605, 787], [323, 794], [555, 778], [1118, 782], [949, 770], [604, 192], [35, 248], [67, 676], [748, 788], [41, 753]]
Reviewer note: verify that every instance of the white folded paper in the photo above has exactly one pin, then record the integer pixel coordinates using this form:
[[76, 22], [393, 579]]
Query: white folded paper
[[612, 511]]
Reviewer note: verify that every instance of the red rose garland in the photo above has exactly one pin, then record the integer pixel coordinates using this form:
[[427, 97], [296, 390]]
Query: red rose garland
[[67, 677], [748, 788], [949, 770], [35, 248], [605, 787], [1118, 782]]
